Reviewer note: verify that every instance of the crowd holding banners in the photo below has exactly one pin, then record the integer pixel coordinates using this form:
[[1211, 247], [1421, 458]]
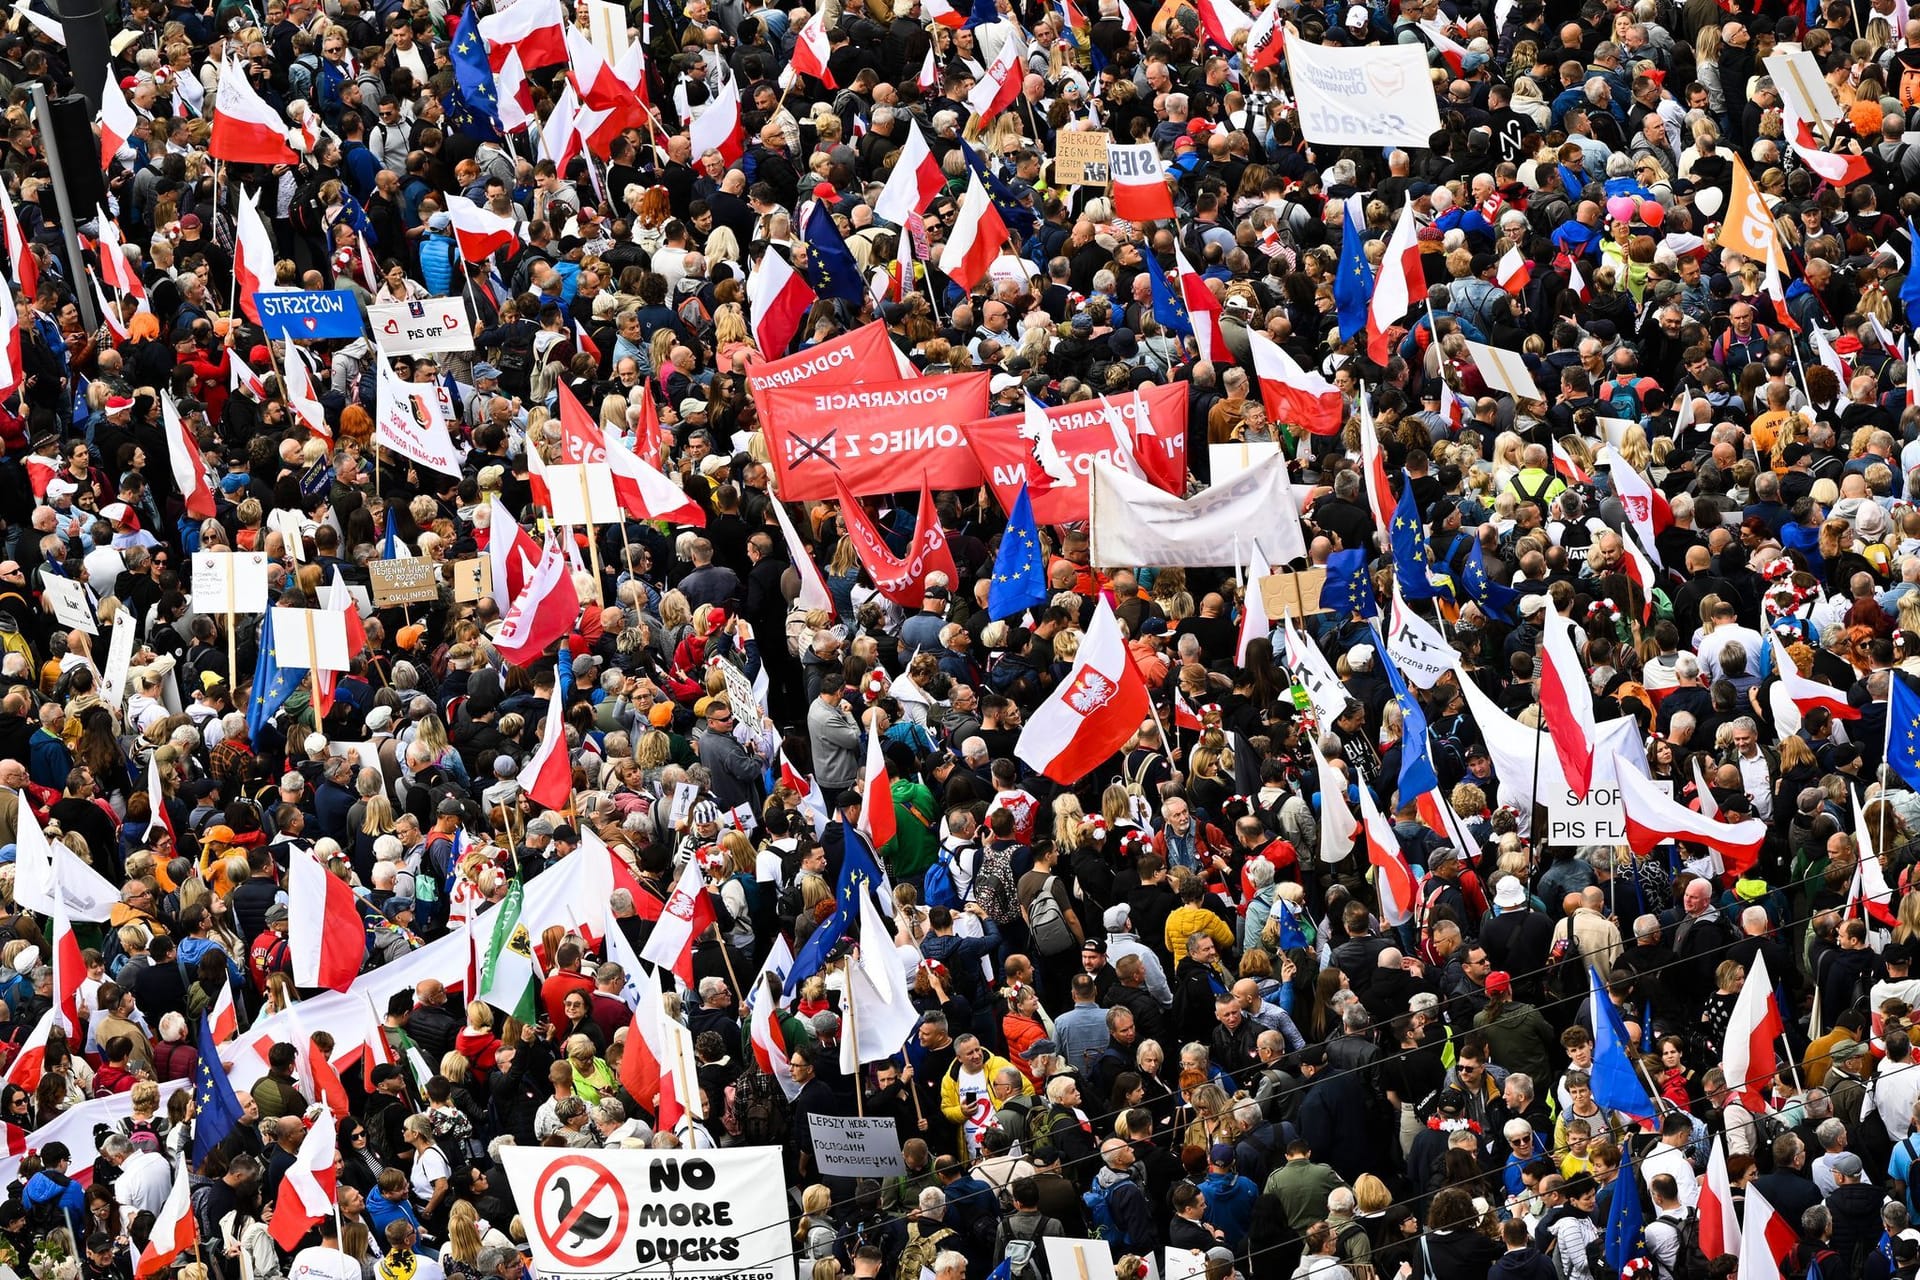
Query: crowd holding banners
[[1337, 697]]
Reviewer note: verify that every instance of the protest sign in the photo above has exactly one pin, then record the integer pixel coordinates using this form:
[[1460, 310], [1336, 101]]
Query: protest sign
[[1240, 455], [1080, 157], [1802, 84], [309, 313], [472, 579], [1293, 593], [230, 581], [1377, 96], [878, 436], [1131, 522], [430, 324], [1504, 370], [1071, 1259], [694, 1215], [68, 600], [402, 582], [582, 495], [856, 1148], [407, 419], [1155, 423], [847, 358], [113, 681], [311, 639]]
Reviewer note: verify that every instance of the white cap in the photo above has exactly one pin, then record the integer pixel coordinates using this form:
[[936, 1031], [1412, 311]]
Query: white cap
[[1509, 892], [1360, 657]]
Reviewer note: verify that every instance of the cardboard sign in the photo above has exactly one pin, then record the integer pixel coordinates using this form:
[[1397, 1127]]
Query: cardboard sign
[[1803, 85], [1071, 1259], [68, 600], [241, 573], [1293, 593], [113, 683], [472, 579], [431, 324], [863, 1148], [607, 28], [1080, 157], [398, 582]]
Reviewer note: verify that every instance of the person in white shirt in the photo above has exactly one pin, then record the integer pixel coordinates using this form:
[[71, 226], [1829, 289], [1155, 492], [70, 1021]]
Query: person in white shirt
[[1832, 1136], [145, 1176], [324, 1261], [1663, 1233], [1669, 1158], [1895, 1088]]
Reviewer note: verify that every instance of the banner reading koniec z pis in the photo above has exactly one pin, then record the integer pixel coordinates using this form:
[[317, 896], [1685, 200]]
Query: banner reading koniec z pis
[[879, 437]]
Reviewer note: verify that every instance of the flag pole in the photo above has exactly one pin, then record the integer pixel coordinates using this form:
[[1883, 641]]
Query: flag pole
[[1537, 838], [853, 1030]]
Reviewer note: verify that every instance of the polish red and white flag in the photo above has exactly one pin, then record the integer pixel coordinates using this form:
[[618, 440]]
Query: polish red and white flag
[[174, 1232], [309, 1186], [545, 611], [687, 915], [977, 236], [1567, 700], [1098, 707], [326, 941], [547, 776], [245, 129]]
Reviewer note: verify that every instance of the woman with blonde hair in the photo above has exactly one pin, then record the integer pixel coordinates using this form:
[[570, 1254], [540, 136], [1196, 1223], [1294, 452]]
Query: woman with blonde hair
[[460, 1256]]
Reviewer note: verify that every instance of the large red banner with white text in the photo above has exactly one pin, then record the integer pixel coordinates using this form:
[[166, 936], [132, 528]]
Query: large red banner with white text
[[877, 436], [1154, 426]]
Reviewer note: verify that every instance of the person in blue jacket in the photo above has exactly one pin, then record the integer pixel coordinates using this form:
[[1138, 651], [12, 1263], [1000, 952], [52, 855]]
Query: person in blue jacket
[[1231, 1197], [439, 256], [51, 1191]]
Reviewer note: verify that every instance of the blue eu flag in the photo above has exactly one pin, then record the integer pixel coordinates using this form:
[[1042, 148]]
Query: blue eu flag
[[1169, 308], [216, 1110], [1910, 291], [272, 683], [859, 873], [1409, 538], [1615, 1084], [1347, 590], [1353, 286], [1903, 729], [1417, 774], [1626, 1237], [830, 268], [1291, 934], [1497, 601], [1020, 568], [472, 73], [355, 216]]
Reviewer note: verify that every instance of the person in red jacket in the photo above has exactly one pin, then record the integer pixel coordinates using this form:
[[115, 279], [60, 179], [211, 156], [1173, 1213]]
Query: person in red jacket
[[268, 953]]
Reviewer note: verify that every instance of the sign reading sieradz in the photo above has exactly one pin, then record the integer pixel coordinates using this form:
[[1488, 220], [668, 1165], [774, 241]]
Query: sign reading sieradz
[[309, 313]]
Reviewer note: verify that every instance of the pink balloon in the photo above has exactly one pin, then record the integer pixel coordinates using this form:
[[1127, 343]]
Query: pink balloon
[[1653, 213], [1620, 208]]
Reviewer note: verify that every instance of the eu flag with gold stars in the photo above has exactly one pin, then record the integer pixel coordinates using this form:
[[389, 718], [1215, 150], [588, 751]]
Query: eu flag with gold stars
[[1169, 308], [1347, 590], [272, 683], [472, 73], [830, 267], [1903, 729], [1020, 569], [1353, 286], [1408, 535], [1496, 601], [216, 1112]]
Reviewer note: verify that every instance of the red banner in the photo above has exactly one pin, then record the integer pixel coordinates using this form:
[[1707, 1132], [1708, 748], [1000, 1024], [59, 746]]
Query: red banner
[[1156, 425], [878, 437], [903, 581], [861, 353]]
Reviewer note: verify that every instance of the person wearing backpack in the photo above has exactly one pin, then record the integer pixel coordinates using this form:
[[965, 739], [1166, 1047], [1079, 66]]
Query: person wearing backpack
[[1117, 1209], [927, 1236], [1020, 1232], [1047, 908], [1673, 1235]]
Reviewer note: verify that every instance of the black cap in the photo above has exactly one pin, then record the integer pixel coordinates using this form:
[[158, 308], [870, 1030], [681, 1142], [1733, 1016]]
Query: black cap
[[567, 833]]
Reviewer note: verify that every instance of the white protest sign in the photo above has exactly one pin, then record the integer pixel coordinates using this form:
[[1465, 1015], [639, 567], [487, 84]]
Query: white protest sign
[[1803, 85], [1069, 1259], [407, 420], [1379, 96], [1504, 370], [1185, 1264], [684, 794], [607, 27], [230, 581], [850, 1148], [1133, 522], [1241, 455], [293, 529], [368, 755], [68, 600], [582, 495], [675, 1215], [431, 324], [113, 682], [311, 639]]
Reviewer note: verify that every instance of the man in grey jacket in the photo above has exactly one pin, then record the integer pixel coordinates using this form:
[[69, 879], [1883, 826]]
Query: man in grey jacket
[[834, 732]]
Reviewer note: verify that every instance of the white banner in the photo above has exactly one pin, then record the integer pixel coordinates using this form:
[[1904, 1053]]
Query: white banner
[[1421, 653], [678, 1215], [1133, 523], [1379, 96], [407, 420], [431, 324], [850, 1148]]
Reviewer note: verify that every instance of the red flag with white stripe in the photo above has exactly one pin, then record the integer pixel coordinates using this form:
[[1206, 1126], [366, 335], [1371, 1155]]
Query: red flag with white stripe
[[1567, 701], [245, 129], [768, 1040], [1398, 286], [811, 49], [778, 300], [975, 240], [325, 939], [309, 1186], [174, 1233], [548, 774], [1292, 395], [1222, 19], [1203, 309], [1748, 1054], [544, 613], [118, 121], [21, 262], [876, 796], [717, 127], [1000, 84], [1514, 273], [1393, 877], [1719, 1221], [183, 456], [480, 232], [683, 921]]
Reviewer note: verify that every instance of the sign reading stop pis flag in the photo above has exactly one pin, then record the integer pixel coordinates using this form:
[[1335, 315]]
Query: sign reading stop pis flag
[[880, 437], [688, 1215]]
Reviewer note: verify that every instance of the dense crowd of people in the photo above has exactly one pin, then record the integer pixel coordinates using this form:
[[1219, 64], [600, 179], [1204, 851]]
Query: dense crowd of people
[[1161, 1003]]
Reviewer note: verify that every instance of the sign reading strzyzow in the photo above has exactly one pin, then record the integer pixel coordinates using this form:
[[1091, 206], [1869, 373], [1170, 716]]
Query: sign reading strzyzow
[[309, 313]]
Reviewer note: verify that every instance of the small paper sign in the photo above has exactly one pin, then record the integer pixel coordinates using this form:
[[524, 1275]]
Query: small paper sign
[[244, 573], [1293, 593], [311, 639], [68, 600], [582, 495], [472, 579], [400, 582]]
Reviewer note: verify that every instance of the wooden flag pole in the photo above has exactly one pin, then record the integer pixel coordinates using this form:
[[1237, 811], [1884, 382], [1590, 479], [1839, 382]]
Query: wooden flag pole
[[853, 1029], [593, 543], [313, 669]]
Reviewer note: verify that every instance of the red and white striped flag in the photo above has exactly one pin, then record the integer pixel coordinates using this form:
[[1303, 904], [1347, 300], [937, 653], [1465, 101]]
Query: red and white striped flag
[[877, 822], [325, 940], [174, 1231], [1514, 273], [245, 129], [309, 1186], [1567, 701], [548, 775], [1393, 877], [686, 917]]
